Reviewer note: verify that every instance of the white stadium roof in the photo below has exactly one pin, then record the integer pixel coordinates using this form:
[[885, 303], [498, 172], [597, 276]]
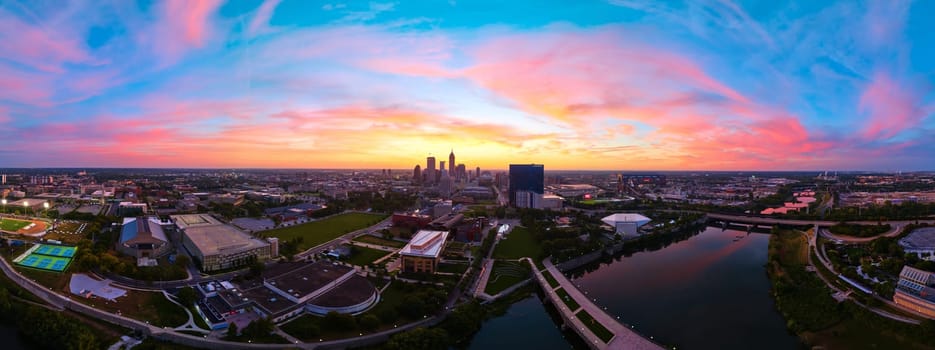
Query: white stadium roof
[[615, 219]]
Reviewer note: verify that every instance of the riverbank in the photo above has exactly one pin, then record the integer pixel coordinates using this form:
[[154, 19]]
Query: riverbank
[[805, 302]]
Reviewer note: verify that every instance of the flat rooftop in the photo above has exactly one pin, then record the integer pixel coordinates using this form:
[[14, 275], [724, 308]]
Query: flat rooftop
[[354, 291], [213, 237], [301, 279], [426, 244]]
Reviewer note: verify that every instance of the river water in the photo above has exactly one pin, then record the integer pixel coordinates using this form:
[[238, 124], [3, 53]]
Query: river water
[[709, 291], [11, 339]]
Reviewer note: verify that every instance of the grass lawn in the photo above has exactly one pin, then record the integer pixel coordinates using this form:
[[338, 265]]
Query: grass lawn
[[309, 327], [12, 225], [56, 280], [452, 268], [517, 244], [143, 306], [549, 278], [321, 231], [793, 251], [371, 239], [572, 304], [596, 327], [504, 275], [364, 256]]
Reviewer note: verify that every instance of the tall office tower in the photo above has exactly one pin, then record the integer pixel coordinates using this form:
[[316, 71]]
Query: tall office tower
[[444, 184], [430, 170], [478, 172], [4, 179], [417, 174], [460, 171], [441, 166], [528, 179], [451, 163]]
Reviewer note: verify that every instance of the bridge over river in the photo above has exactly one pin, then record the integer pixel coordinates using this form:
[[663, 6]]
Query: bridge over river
[[614, 335]]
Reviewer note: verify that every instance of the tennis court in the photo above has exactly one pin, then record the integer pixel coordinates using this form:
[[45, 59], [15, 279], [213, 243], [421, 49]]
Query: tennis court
[[55, 250], [44, 262], [47, 257]]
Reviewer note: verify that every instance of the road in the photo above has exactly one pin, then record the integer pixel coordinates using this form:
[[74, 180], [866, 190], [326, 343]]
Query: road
[[897, 225]]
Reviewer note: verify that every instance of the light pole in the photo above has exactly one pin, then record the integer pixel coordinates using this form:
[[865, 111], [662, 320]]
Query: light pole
[[25, 208], [46, 206], [3, 201]]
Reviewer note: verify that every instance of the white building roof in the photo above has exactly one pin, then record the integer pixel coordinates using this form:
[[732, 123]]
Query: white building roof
[[426, 244], [615, 219]]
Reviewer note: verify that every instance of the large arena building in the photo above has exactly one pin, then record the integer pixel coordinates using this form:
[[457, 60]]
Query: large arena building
[[921, 242], [216, 246], [143, 237]]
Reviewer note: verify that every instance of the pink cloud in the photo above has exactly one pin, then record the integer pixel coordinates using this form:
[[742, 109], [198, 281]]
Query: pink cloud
[[892, 108], [27, 88], [183, 26], [260, 22], [43, 48]]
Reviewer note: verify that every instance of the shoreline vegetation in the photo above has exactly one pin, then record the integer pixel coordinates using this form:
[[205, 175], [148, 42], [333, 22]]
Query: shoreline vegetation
[[818, 319]]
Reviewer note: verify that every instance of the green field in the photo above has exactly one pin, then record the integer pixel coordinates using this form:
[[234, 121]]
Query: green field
[[596, 327], [518, 244], [321, 231], [572, 304], [12, 225], [452, 268], [549, 278], [364, 256], [370, 239], [504, 275]]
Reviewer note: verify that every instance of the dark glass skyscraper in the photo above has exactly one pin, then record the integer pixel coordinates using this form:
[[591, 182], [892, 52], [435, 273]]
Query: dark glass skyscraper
[[526, 177]]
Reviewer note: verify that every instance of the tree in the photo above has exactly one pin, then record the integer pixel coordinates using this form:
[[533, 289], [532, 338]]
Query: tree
[[232, 331], [369, 323], [339, 322], [258, 328], [420, 338], [187, 296], [412, 307]]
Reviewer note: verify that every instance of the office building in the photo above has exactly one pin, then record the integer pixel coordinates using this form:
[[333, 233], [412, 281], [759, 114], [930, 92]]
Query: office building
[[422, 253], [430, 170], [451, 163], [417, 174], [916, 290], [526, 178]]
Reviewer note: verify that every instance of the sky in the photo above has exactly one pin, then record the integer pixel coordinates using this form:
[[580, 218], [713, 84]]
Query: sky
[[577, 84]]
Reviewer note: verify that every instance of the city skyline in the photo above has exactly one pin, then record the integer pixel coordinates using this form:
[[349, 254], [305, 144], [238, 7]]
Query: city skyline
[[593, 85]]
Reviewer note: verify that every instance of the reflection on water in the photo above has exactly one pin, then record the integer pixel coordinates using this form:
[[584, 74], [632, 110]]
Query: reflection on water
[[525, 325], [707, 292], [11, 339]]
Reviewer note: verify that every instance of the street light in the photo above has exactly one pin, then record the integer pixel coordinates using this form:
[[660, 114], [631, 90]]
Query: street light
[[46, 206]]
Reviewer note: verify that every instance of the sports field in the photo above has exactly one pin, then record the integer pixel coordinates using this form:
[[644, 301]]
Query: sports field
[[47, 257], [13, 225], [321, 231]]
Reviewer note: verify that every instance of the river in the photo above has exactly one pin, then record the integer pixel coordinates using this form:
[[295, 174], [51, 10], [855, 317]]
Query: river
[[709, 291], [11, 339]]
